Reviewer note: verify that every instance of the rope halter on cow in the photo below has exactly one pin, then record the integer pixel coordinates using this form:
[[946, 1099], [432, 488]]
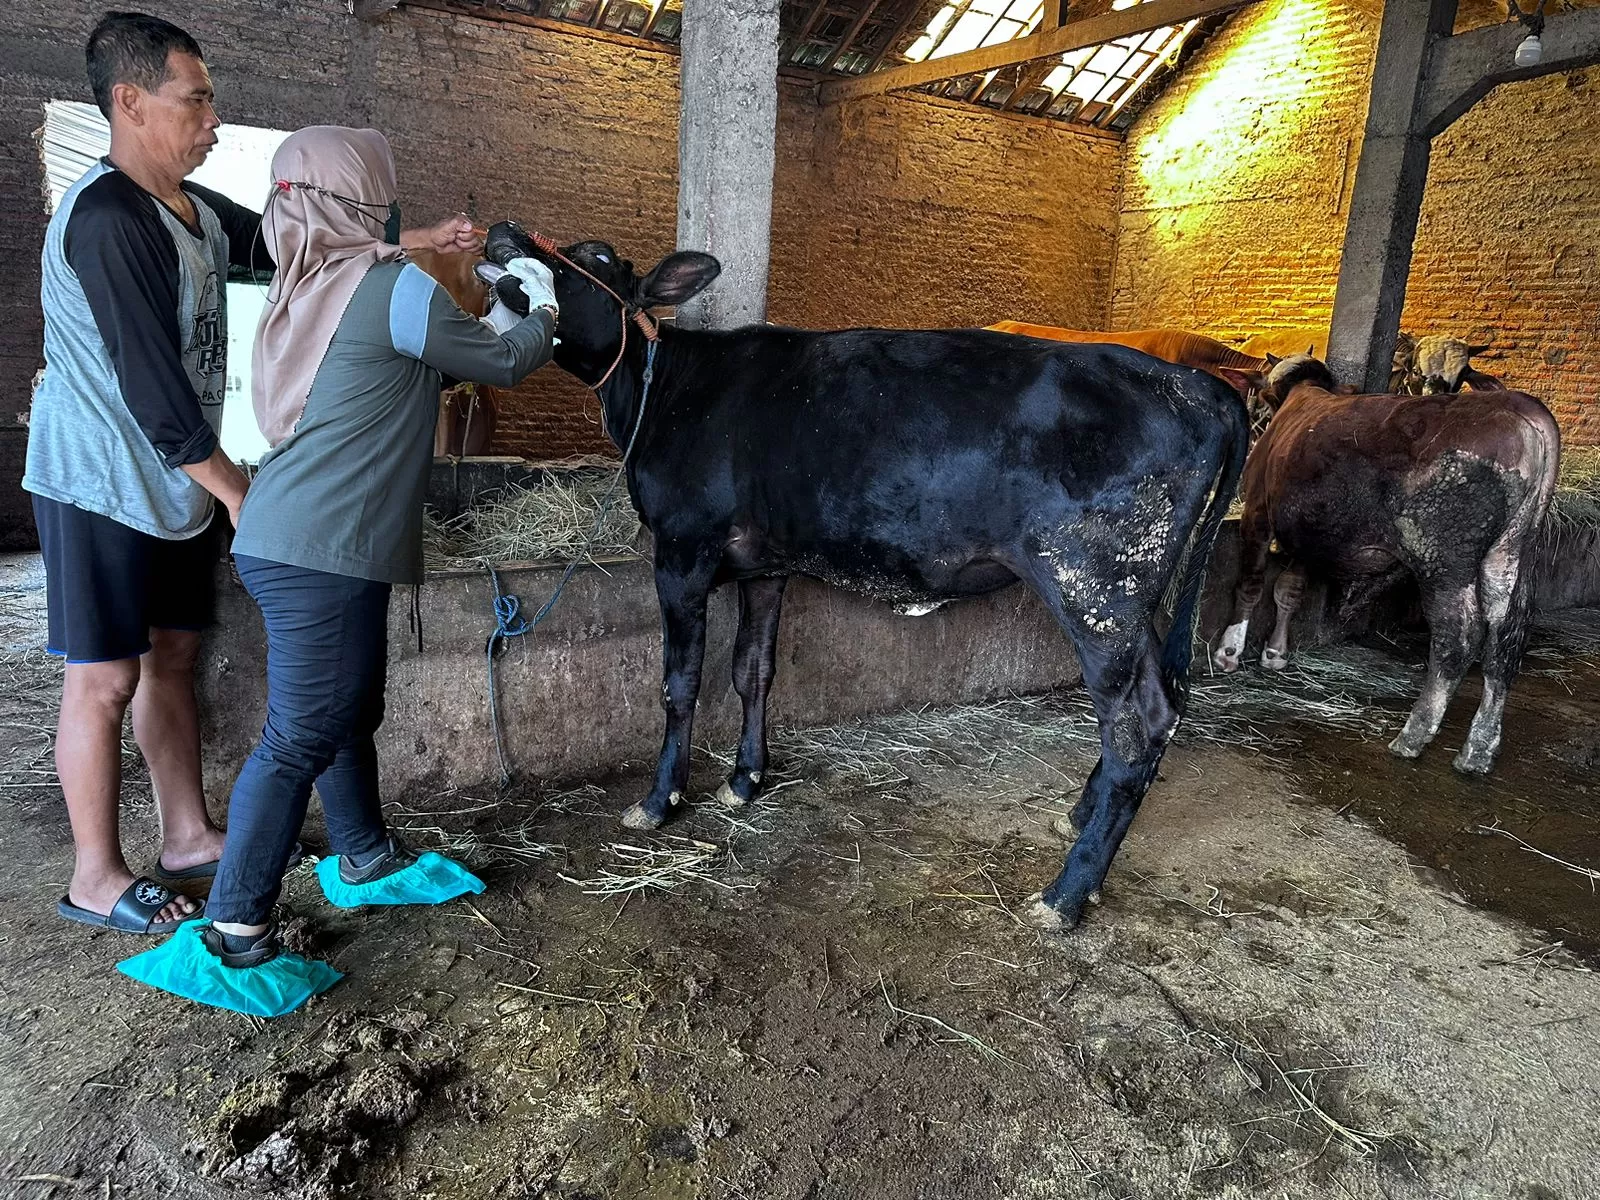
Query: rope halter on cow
[[630, 312]]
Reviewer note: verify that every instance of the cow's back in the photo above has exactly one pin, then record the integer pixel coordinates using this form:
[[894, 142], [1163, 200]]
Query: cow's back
[[1178, 346], [1341, 476], [854, 436]]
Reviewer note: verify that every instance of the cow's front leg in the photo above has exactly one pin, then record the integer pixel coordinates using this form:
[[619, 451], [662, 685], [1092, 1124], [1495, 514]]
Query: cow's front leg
[[1287, 594], [1255, 540], [754, 651], [682, 583]]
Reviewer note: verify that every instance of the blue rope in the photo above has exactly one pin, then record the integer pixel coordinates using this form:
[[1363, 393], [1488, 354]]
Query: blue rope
[[507, 608]]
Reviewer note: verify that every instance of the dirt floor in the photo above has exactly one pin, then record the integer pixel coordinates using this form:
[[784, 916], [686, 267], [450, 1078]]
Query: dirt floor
[[1317, 971]]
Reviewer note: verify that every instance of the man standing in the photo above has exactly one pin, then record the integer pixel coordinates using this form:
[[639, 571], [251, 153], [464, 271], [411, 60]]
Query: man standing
[[124, 462]]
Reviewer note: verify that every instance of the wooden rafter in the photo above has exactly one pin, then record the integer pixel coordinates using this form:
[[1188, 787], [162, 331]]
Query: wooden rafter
[[800, 39], [1075, 35], [1028, 78], [894, 37], [867, 9]]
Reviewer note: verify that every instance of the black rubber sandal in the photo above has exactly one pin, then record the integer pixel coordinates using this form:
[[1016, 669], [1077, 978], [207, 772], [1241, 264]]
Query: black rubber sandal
[[134, 912], [208, 870]]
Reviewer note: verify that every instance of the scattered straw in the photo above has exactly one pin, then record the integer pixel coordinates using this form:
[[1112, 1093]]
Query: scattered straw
[[960, 1036], [1589, 873], [663, 866], [552, 519], [1338, 689]]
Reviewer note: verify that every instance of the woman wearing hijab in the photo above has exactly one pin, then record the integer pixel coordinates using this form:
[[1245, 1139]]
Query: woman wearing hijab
[[348, 363]]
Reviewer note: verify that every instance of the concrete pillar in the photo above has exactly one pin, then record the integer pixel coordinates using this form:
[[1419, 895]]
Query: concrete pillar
[[727, 145], [1390, 177]]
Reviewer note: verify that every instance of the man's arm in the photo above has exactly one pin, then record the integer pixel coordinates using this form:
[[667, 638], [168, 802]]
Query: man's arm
[[128, 266], [453, 235], [247, 244], [221, 476]]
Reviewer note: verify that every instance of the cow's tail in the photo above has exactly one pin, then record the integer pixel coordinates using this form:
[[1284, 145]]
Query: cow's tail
[[1178, 649]]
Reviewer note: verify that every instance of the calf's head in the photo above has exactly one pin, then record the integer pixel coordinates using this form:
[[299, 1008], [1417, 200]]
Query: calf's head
[[1285, 374], [599, 291]]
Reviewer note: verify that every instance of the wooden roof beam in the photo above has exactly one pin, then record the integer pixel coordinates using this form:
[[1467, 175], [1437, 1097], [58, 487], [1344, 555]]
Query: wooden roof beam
[[1075, 35]]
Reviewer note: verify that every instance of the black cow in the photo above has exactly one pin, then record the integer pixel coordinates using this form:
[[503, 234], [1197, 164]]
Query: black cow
[[916, 466]]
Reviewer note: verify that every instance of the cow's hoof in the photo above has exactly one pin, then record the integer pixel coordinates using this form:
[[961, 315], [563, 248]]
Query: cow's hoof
[[1402, 747], [639, 817], [1273, 660], [1473, 762], [1226, 661], [1050, 918], [729, 798]]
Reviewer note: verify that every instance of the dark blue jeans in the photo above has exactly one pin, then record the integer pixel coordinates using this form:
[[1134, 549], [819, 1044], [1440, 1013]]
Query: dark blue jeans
[[327, 655]]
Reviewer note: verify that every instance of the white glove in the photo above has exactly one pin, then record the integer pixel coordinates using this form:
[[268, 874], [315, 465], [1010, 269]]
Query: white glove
[[538, 285], [501, 317]]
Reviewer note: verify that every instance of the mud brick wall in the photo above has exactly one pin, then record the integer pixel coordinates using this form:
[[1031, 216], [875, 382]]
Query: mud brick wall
[[892, 212], [1237, 182]]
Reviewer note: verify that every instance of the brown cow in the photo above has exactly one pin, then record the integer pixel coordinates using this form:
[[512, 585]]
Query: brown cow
[[1362, 489], [1170, 345], [468, 411]]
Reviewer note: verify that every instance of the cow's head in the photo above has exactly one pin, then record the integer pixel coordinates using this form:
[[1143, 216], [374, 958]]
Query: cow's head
[[1442, 364], [598, 290], [1285, 374]]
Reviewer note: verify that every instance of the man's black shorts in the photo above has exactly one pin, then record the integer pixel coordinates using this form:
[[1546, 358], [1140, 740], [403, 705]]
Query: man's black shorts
[[109, 585]]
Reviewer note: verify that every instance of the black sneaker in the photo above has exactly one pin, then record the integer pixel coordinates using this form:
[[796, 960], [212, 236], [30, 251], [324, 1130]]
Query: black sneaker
[[394, 857]]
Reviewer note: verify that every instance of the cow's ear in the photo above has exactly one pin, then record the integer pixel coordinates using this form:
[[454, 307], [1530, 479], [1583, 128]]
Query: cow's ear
[[677, 278], [1246, 383], [1311, 350], [1272, 360], [1474, 351]]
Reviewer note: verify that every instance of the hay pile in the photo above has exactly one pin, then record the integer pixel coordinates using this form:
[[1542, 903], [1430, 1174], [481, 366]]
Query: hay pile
[[1575, 507], [552, 520]]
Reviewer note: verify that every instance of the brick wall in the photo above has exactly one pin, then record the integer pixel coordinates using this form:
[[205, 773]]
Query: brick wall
[[1236, 184], [892, 212]]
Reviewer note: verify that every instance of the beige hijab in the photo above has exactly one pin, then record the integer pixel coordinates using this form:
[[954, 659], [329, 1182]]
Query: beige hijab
[[324, 247]]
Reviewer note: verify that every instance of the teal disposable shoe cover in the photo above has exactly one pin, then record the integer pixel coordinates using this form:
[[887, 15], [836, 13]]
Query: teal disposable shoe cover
[[432, 879], [183, 966]]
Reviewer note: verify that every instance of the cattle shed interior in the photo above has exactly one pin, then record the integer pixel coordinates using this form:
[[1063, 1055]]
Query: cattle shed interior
[[1215, 198], [1318, 971]]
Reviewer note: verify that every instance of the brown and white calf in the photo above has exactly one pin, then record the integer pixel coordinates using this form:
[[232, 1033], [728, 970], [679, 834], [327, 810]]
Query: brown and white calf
[[1362, 489]]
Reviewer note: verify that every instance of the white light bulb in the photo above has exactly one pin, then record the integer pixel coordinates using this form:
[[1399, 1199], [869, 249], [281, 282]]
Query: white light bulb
[[1529, 51]]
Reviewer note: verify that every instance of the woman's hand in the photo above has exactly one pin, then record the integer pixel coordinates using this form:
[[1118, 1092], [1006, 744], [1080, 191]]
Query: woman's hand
[[453, 235]]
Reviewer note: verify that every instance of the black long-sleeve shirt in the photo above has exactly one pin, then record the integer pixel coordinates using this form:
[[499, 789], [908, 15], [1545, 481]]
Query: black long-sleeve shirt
[[136, 344]]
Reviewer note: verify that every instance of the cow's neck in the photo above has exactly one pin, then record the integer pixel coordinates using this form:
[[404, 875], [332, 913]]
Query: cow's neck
[[622, 394]]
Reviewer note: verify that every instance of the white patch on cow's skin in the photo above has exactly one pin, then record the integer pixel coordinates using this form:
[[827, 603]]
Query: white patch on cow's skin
[[1232, 649], [1274, 660], [920, 608]]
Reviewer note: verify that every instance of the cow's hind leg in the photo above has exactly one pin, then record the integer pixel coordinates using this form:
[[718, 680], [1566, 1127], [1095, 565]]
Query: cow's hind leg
[[1137, 719], [683, 580], [1455, 629], [1287, 593], [1255, 542], [754, 650], [1504, 593]]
